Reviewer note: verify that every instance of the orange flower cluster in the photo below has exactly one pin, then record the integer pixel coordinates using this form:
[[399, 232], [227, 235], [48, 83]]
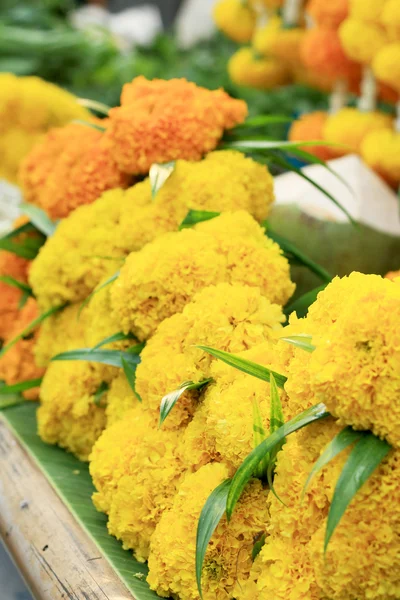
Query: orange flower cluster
[[322, 52], [311, 127], [160, 121], [17, 268], [18, 363], [71, 166]]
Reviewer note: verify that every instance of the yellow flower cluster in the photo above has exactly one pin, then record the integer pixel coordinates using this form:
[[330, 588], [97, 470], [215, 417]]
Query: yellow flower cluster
[[163, 277], [88, 245], [235, 19], [29, 107], [228, 558]]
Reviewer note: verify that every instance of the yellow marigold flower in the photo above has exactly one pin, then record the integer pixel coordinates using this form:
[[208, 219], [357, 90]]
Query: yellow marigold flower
[[354, 369], [390, 19], [274, 40], [15, 144], [137, 484], [163, 277], [68, 415], [235, 19], [328, 14], [380, 150], [361, 41], [71, 166], [10, 297], [321, 51], [60, 332], [350, 126], [120, 399], [159, 121], [77, 256], [366, 10], [224, 316], [386, 65], [245, 68], [228, 558], [310, 127], [18, 363]]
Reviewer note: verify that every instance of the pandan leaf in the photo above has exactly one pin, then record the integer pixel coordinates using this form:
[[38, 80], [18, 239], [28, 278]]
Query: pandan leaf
[[259, 435], [210, 516], [113, 358], [283, 162], [130, 374], [158, 175], [169, 400], [302, 304], [88, 124], [22, 386], [246, 366], [197, 216], [101, 390], [258, 544], [10, 401], [292, 252], [340, 442], [261, 120], [248, 466], [99, 107], [29, 328], [365, 457], [249, 145], [38, 217], [96, 291], [23, 300], [315, 160], [302, 341], [24, 287], [27, 248], [116, 337], [277, 421]]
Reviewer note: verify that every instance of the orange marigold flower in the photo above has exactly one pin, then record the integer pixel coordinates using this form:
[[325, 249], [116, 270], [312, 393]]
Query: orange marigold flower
[[321, 51], [328, 14], [310, 127], [18, 363], [10, 296], [159, 121], [71, 166], [393, 275]]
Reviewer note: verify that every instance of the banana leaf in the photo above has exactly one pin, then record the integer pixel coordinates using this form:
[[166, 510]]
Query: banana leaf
[[71, 480]]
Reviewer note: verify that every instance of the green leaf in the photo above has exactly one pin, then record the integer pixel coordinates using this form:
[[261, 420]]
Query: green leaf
[[88, 124], [96, 291], [197, 216], [365, 457], [302, 304], [27, 248], [101, 390], [315, 160], [246, 366], [248, 145], [11, 400], [247, 468], [158, 175], [277, 420], [283, 162], [170, 399], [23, 300], [302, 341], [98, 107], [25, 228], [340, 442], [210, 516], [22, 386], [72, 482], [38, 217], [24, 287], [258, 544], [116, 337], [259, 435], [292, 252], [262, 120], [113, 358], [130, 374], [29, 328]]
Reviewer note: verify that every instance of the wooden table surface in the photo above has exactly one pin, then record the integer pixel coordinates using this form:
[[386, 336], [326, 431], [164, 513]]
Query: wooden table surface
[[54, 555]]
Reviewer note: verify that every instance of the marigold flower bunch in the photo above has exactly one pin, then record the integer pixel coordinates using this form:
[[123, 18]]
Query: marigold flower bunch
[[29, 107], [16, 267]]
